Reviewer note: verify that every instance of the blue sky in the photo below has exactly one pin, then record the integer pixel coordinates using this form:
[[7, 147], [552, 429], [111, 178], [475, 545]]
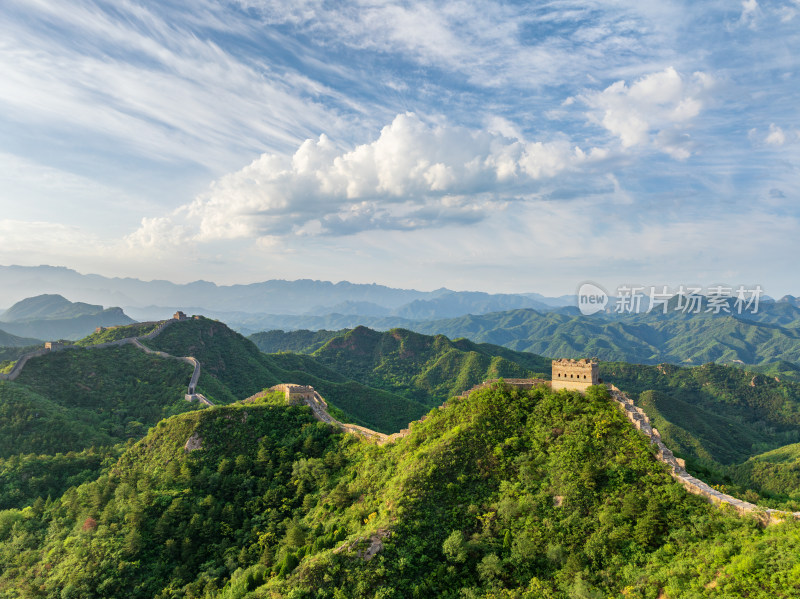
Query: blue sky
[[494, 146]]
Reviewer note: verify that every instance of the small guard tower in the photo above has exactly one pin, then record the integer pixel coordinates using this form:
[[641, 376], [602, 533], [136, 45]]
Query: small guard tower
[[575, 375]]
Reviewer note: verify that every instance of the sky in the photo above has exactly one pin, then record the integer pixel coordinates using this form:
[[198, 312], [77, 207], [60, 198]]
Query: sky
[[497, 146]]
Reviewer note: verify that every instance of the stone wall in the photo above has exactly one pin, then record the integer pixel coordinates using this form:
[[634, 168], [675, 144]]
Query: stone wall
[[20, 364], [677, 466], [191, 393], [319, 408]]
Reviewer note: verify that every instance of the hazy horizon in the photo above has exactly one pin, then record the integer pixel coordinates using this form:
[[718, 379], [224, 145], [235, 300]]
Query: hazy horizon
[[487, 146]]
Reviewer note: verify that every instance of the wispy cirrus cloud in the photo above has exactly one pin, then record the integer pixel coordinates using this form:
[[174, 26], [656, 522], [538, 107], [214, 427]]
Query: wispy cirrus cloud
[[153, 86], [490, 43], [298, 113]]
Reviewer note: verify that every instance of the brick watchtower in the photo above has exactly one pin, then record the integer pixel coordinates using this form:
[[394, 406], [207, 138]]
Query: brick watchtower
[[575, 375]]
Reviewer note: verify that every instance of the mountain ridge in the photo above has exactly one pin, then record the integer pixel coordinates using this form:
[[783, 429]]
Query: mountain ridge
[[52, 316]]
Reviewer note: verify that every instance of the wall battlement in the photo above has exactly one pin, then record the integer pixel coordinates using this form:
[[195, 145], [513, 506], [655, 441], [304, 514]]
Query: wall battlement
[[575, 375], [678, 467], [295, 394]]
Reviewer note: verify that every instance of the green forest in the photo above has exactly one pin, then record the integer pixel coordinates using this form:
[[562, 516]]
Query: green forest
[[503, 494], [111, 484]]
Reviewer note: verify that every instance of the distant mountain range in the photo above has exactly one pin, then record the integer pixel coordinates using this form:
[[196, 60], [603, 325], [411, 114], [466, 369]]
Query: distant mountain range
[[53, 316], [768, 340], [253, 307], [638, 338]]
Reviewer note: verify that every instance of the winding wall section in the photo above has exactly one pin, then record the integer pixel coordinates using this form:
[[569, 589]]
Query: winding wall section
[[319, 408], [677, 467], [637, 417], [191, 391]]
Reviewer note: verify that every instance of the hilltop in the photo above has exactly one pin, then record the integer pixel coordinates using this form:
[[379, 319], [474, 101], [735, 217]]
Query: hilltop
[[65, 403], [504, 493], [242, 370], [429, 369], [55, 317], [87, 379], [716, 417]]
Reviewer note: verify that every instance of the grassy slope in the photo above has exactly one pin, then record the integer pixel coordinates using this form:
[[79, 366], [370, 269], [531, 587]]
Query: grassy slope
[[117, 332], [774, 473], [468, 498]]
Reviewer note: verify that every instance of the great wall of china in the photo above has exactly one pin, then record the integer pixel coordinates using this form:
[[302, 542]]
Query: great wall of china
[[299, 394], [678, 467], [562, 369], [191, 391]]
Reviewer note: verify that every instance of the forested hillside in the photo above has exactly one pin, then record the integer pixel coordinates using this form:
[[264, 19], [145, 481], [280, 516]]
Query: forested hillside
[[716, 417], [67, 402], [642, 338], [503, 494], [242, 370], [428, 369]]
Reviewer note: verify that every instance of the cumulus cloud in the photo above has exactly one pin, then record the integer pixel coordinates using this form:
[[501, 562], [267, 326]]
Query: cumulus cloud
[[656, 110], [414, 175], [776, 136]]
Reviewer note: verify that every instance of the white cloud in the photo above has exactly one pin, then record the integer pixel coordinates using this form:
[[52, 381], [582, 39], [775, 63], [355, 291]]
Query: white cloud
[[491, 43], [749, 13], [159, 88], [776, 136], [414, 175], [657, 109]]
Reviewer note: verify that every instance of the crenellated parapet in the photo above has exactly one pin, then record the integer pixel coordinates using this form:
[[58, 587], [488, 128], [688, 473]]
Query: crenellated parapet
[[575, 375]]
